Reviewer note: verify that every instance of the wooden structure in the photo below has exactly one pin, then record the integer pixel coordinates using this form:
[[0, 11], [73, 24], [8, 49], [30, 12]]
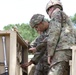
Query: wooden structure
[[16, 51], [72, 62]]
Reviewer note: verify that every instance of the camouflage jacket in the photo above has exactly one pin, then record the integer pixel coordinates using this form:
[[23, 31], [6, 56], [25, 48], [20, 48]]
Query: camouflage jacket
[[40, 44], [60, 32]]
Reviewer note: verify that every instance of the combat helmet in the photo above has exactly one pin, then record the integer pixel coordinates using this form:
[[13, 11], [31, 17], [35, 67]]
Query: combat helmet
[[53, 3], [36, 19]]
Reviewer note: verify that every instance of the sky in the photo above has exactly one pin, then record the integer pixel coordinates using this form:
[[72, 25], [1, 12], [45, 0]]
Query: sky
[[20, 11]]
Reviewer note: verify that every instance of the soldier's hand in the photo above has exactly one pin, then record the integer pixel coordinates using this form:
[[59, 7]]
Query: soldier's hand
[[25, 65], [49, 59]]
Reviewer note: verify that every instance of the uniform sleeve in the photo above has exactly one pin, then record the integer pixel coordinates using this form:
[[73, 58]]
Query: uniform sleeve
[[34, 42], [54, 33], [40, 48], [39, 53]]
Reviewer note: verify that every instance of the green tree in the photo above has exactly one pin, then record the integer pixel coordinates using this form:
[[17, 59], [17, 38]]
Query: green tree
[[73, 18], [25, 31]]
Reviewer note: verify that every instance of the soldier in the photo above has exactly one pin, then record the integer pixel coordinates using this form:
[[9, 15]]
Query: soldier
[[62, 39], [40, 56]]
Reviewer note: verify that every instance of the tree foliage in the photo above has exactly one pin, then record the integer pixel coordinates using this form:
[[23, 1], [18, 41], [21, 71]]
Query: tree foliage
[[73, 18], [25, 31]]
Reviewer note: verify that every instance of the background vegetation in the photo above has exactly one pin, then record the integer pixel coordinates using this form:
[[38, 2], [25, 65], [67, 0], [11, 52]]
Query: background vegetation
[[27, 32], [24, 30]]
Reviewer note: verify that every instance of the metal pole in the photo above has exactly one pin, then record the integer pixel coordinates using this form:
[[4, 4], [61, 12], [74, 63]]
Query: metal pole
[[5, 59]]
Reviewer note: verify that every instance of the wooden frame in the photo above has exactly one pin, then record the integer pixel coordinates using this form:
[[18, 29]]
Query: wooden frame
[[13, 41], [72, 62]]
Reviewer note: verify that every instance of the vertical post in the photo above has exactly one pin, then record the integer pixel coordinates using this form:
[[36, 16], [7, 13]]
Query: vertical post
[[13, 53], [74, 60]]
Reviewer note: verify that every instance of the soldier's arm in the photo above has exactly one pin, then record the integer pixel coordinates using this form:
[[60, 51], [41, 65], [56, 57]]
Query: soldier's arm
[[33, 45], [39, 53], [54, 33], [40, 48]]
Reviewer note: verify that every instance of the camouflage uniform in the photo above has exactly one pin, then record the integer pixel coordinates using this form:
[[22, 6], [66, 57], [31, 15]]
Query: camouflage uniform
[[40, 56], [61, 38]]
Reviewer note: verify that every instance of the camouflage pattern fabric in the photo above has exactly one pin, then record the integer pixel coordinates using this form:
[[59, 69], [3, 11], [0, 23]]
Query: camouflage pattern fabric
[[67, 38], [63, 53], [42, 67], [39, 40], [40, 56], [40, 48], [36, 19], [60, 62], [60, 68], [62, 30]]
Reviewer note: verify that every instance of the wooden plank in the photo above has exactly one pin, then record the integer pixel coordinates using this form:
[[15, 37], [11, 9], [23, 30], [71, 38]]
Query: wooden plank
[[21, 40], [13, 53], [74, 60], [5, 32], [13, 40]]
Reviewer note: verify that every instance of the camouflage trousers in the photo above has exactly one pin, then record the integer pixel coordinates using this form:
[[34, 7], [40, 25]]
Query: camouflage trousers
[[42, 67], [60, 68]]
